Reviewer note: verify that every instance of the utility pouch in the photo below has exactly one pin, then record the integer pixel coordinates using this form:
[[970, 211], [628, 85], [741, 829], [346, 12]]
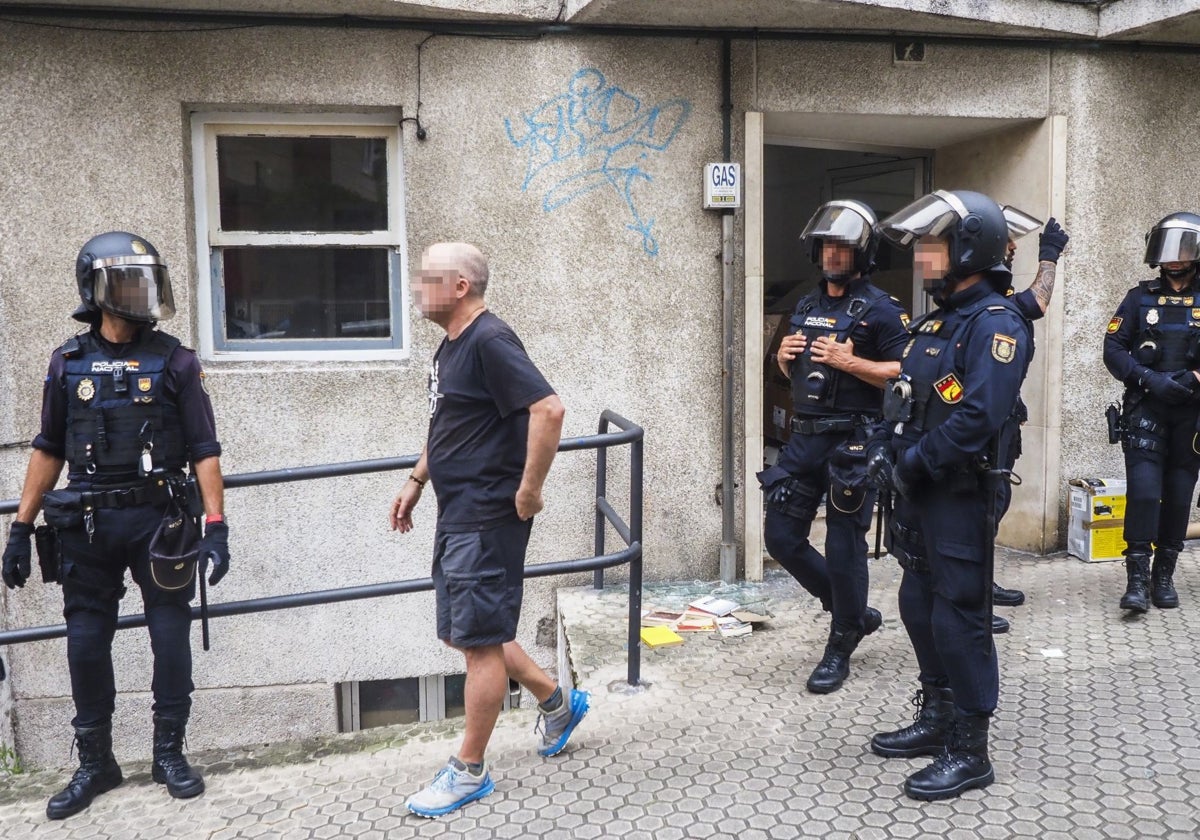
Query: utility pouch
[[193, 502], [848, 476], [45, 538], [63, 509], [174, 549], [897, 401], [1112, 415]]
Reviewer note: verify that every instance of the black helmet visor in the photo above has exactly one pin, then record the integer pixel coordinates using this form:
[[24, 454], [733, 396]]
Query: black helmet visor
[[929, 215], [1173, 244], [839, 221], [138, 288]]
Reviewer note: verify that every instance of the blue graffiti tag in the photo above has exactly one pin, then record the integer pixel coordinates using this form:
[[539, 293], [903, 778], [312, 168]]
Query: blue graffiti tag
[[596, 135]]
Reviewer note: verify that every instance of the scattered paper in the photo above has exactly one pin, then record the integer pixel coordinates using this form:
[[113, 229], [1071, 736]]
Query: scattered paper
[[714, 605], [1053, 653]]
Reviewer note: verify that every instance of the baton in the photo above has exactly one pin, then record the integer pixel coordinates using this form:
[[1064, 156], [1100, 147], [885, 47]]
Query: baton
[[204, 605], [880, 502]]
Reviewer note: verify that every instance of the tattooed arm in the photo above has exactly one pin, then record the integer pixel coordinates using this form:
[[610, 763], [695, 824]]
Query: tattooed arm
[[1043, 284]]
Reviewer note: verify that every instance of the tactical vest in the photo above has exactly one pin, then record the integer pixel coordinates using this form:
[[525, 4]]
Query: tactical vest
[[119, 409], [820, 389], [1168, 336], [929, 389]]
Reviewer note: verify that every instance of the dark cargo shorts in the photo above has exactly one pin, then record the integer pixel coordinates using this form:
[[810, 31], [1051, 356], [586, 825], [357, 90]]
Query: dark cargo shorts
[[479, 578]]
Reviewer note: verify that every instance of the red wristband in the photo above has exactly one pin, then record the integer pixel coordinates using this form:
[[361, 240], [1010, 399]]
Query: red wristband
[[215, 517]]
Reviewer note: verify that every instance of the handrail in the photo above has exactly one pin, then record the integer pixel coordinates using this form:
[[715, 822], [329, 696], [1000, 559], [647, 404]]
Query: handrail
[[630, 533]]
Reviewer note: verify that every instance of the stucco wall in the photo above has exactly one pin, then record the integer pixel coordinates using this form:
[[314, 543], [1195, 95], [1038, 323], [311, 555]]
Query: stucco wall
[[97, 138]]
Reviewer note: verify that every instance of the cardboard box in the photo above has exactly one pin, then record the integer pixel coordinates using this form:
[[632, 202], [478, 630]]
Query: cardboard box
[[1096, 519]]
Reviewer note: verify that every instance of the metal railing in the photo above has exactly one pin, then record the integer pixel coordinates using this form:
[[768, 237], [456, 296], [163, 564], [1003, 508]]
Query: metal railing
[[631, 533]]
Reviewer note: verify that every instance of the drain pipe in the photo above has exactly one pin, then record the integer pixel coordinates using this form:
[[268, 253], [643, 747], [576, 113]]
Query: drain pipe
[[728, 547]]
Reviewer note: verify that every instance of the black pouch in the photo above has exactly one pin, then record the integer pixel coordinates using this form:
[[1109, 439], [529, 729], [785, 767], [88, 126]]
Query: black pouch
[[848, 482], [63, 509], [174, 550], [45, 538]]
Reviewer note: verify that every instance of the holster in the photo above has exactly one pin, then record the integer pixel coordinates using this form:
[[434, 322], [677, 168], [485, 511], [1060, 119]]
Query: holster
[[45, 538]]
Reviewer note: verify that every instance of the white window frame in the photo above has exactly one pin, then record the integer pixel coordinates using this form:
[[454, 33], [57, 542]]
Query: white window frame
[[206, 127]]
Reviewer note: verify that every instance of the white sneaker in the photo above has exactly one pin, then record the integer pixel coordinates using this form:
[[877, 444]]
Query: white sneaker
[[452, 788]]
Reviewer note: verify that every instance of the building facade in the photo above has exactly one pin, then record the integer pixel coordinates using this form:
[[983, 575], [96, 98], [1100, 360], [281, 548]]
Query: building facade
[[291, 168]]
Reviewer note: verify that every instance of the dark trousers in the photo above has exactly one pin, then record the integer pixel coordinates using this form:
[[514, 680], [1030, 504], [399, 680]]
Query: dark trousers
[[839, 577], [93, 585], [943, 596], [1159, 485]]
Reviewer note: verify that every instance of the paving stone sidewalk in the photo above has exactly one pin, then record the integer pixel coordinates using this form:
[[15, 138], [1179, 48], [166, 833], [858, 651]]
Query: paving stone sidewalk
[[1097, 737]]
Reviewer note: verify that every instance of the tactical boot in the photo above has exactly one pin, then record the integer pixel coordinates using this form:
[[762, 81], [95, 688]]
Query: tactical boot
[[999, 625], [98, 773], [928, 733], [1137, 590], [834, 666], [963, 766], [1006, 597], [171, 767], [1162, 589]]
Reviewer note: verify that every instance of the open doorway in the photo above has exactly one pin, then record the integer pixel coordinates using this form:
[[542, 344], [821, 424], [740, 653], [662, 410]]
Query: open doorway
[[795, 161], [796, 180]]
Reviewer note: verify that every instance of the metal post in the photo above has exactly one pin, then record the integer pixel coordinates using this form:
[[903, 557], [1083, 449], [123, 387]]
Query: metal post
[[635, 563], [601, 489]]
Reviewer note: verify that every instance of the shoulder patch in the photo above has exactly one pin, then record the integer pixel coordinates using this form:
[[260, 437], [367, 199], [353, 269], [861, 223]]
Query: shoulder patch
[[949, 389], [1115, 324], [1004, 348]]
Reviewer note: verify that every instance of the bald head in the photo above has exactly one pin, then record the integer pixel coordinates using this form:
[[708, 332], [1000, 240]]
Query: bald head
[[464, 258]]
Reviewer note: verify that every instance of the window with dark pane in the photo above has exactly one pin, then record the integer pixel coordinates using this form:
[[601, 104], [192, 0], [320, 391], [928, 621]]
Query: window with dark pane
[[298, 293], [456, 696], [385, 702], [311, 184]]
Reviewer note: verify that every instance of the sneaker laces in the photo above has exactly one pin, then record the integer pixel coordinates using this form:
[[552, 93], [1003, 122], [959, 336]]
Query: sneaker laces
[[444, 780]]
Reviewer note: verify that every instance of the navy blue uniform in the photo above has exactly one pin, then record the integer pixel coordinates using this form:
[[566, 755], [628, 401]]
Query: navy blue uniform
[[1157, 329], [965, 364], [825, 455], [105, 408], [1027, 304]]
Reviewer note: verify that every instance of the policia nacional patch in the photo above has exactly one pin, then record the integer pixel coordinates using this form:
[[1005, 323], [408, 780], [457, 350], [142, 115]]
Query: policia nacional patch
[[1004, 348], [1115, 324]]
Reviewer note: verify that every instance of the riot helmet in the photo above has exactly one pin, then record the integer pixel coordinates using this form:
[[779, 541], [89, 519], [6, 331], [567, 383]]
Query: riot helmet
[[850, 223], [123, 274], [973, 227], [1174, 239]]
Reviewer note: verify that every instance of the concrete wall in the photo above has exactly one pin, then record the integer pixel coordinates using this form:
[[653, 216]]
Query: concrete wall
[[97, 138]]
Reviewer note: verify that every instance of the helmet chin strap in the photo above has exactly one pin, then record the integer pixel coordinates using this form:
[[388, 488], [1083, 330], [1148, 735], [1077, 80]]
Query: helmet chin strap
[[840, 278], [1181, 274], [942, 288]]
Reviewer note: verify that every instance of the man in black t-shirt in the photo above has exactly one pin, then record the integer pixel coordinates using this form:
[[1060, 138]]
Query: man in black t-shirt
[[494, 426]]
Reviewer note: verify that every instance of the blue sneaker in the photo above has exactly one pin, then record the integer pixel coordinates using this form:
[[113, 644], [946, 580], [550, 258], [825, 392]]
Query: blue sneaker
[[556, 727], [452, 788]]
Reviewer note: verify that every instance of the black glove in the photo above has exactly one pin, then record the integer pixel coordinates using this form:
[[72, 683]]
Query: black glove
[[1051, 241], [18, 554], [1166, 388], [879, 468], [215, 545], [908, 474]]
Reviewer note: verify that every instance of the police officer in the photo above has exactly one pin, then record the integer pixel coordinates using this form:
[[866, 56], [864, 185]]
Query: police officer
[[945, 417], [1031, 303], [845, 342], [1153, 347], [125, 408]]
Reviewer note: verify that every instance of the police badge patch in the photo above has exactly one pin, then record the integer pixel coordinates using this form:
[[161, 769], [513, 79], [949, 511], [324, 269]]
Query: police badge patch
[[144, 384], [1115, 324], [949, 389], [86, 390], [1004, 348]]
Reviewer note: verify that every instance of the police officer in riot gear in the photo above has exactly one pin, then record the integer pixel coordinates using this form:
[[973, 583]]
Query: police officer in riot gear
[[125, 408], [846, 338], [1153, 347], [942, 438]]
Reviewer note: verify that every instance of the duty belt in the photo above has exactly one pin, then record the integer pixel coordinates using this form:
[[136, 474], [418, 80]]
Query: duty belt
[[829, 425], [142, 494]]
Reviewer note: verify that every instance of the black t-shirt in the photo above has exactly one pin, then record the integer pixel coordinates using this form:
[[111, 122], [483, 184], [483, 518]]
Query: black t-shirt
[[481, 385]]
